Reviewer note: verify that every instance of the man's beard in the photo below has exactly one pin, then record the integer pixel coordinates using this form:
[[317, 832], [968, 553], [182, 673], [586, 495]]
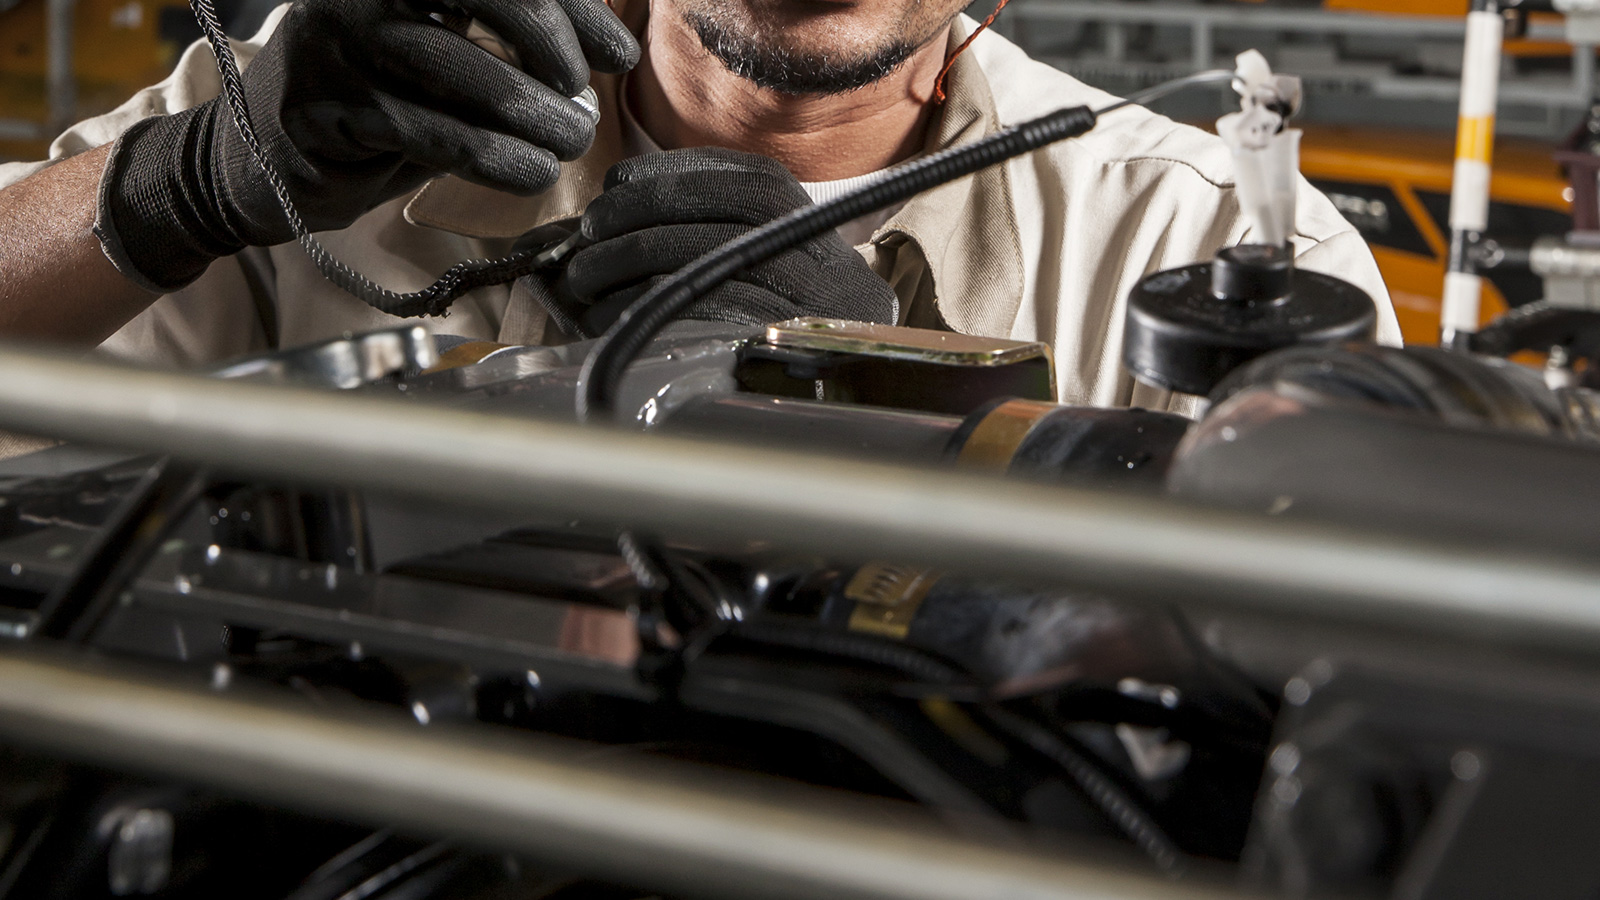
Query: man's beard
[[769, 65]]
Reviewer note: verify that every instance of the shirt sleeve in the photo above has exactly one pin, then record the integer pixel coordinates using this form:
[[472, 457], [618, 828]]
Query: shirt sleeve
[[1326, 242], [228, 312], [222, 313], [1345, 255]]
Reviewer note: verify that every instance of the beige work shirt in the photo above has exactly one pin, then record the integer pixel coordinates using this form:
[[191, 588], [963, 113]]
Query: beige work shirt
[[1044, 247]]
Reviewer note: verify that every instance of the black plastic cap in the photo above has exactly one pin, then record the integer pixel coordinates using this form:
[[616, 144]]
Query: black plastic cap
[[1181, 336], [1252, 272]]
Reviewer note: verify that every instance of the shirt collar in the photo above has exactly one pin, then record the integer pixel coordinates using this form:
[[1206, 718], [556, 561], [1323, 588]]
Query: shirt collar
[[965, 231]]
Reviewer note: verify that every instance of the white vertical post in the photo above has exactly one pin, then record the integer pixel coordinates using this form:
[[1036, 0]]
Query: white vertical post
[[1469, 189]]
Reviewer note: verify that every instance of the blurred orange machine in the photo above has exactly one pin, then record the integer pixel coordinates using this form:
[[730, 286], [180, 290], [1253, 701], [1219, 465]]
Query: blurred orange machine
[[1395, 188], [1457, 9], [119, 46]]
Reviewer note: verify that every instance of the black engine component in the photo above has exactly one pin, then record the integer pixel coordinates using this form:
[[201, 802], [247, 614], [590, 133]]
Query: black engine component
[[1189, 327], [1005, 708], [1429, 780], [1374, 434]]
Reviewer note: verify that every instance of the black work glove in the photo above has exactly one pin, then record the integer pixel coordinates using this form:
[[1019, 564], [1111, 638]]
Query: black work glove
[[358, 102], [661, 211]]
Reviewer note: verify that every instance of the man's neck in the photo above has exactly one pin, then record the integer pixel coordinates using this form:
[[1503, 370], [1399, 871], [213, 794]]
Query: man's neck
[[684, 97]]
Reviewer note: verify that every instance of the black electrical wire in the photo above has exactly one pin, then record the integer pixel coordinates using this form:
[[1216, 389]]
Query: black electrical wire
[[651, 566], [1109, 796], [433, 300], [372, 869], [644, 319], [926, 667], [603, 368]]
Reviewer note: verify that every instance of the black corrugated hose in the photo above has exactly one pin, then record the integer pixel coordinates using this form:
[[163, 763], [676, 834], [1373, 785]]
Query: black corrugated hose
[[642, 321], [433, 300], [1117, 804], [651, 312]]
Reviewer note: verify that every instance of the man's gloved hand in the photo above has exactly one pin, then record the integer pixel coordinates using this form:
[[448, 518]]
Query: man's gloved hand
[[661, 211], [357, 102]]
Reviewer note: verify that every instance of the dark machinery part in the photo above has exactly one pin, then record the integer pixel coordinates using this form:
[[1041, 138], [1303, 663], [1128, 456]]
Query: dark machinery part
[[1565, 320], [1372, 433], [865, 676], [1008, 709], [1429, 781], [1540, 326], [1189, 327]]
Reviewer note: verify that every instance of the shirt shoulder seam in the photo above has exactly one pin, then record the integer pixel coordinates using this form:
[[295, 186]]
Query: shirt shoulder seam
[[1130, 160]]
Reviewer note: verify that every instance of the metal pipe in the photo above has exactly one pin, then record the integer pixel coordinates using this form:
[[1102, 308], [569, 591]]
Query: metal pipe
[[61, 79], [22, 130], [1256, 18], [1583, 69], [1552, 93], [1469, 182], [658, 826], [1553, 257], [1201, 47], [1123, 544]]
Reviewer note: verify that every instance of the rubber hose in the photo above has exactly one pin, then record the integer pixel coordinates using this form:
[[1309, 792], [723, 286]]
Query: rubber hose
[[641, 322]]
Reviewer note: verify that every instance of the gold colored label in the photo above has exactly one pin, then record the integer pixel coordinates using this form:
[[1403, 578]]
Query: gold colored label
[[887, 597], [898, 342], [1475, 138], [996, 439], [954, 721], [467, 354]]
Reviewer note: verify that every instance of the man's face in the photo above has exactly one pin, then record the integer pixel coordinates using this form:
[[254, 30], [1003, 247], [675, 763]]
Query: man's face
[[816, 46]]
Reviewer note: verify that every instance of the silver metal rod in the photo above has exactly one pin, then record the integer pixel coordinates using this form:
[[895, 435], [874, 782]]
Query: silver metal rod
[[1126, 545], [1201, 47], [668, 828], [1255, 18], [23, 130], [61, 79], [1583, 69], [1116, 41], [1553, 257]]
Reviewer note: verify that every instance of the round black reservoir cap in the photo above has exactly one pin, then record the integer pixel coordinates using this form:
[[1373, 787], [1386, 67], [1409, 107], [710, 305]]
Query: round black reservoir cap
[[1252, 272], [1189, 327]]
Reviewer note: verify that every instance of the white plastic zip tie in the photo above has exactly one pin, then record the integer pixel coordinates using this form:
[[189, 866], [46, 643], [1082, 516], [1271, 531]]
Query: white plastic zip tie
[[1266, 155]]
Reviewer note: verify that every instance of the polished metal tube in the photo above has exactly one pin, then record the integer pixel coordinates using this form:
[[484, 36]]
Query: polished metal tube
[[61, 76], [1130, 545], [655, 826], [1553, 257]]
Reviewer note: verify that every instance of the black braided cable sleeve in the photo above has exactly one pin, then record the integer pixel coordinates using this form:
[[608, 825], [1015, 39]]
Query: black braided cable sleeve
[[433, 300], [1129, 817], [641, 322]]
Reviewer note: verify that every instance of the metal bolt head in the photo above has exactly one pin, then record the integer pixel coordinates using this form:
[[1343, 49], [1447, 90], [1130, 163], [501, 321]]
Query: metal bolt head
[[140, 857]]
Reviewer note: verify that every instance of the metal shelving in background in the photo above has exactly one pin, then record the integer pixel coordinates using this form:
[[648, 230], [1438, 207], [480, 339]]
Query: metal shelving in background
[[61, 82], [1358, 68], [1365, 68]]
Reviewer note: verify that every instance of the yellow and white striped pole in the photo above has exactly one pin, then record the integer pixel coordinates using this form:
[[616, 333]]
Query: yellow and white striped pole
[[1469, 189]]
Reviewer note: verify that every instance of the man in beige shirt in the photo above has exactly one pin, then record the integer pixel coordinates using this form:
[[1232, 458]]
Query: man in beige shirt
[[1044, 247]]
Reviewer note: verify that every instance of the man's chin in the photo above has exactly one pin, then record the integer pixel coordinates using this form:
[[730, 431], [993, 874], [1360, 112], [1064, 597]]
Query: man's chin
[[795, 48]]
